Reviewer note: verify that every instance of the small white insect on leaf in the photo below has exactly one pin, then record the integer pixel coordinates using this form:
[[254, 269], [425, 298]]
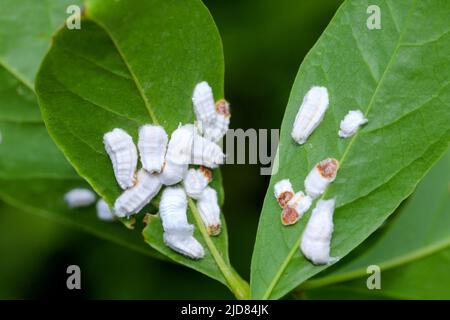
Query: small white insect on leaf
[[103, 211], [196, 180], [204, 106], [219, 127], [79, 197], [178, 155], [351, 123], [310, 114], [316, 239], [208, 206], [178, 233], [132, 200], [283, 192], [321, 176], [121, 149], [206, 153], [152, 147], [295, 208]]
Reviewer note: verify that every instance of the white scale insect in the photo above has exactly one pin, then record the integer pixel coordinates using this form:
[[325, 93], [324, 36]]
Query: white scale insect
[[103, 211], [152, 147], [295, 208], [122, 151], [213, 119], [205, 152], [132, 200], [178, 233], [310, 114], [316, 239], [79, 197], [320, 177], [351, 123], [208, 206], [196, 180]]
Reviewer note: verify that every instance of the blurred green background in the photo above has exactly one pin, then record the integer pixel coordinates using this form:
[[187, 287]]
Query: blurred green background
[[264, 43]]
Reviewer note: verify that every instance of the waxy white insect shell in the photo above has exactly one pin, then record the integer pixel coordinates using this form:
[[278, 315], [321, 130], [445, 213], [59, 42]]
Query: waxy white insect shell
[[103, 211], [123, 154], [310, 114], [204, 106], [283, 192], [152, 147], [208, 207], [196, 180], [320, 177], [132, 200], [295, 208], [79, 197], [206, 152], [316, 239], [178, 233], [351, 123], [215, 130]]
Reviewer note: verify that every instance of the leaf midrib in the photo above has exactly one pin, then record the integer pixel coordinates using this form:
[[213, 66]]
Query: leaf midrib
[[347, 149]]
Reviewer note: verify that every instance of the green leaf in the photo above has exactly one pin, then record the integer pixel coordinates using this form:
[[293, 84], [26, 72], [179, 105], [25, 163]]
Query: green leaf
[[420, 228], [132, 63], [34, 175], [382, 72]]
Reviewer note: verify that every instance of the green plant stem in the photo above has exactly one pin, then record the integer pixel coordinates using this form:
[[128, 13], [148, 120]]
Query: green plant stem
[[237, 285]]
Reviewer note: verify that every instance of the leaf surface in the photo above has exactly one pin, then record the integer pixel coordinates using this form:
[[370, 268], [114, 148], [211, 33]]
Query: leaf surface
[[382, 72], [133, 62]]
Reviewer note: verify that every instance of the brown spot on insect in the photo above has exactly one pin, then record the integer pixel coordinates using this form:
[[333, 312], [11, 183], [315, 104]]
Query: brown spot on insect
[[206, 172], [289, 216], [284, 198], [223, 107], [328, 168]]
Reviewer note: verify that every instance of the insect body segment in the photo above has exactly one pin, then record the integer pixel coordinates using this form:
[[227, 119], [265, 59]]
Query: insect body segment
[[316, 238], [310, 114], [166, 162], [152, 147], [103, 211], [132, 200], [178, 233], [351, 123], [79, 197], [283, 192], [195, 182], [320, 177]]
